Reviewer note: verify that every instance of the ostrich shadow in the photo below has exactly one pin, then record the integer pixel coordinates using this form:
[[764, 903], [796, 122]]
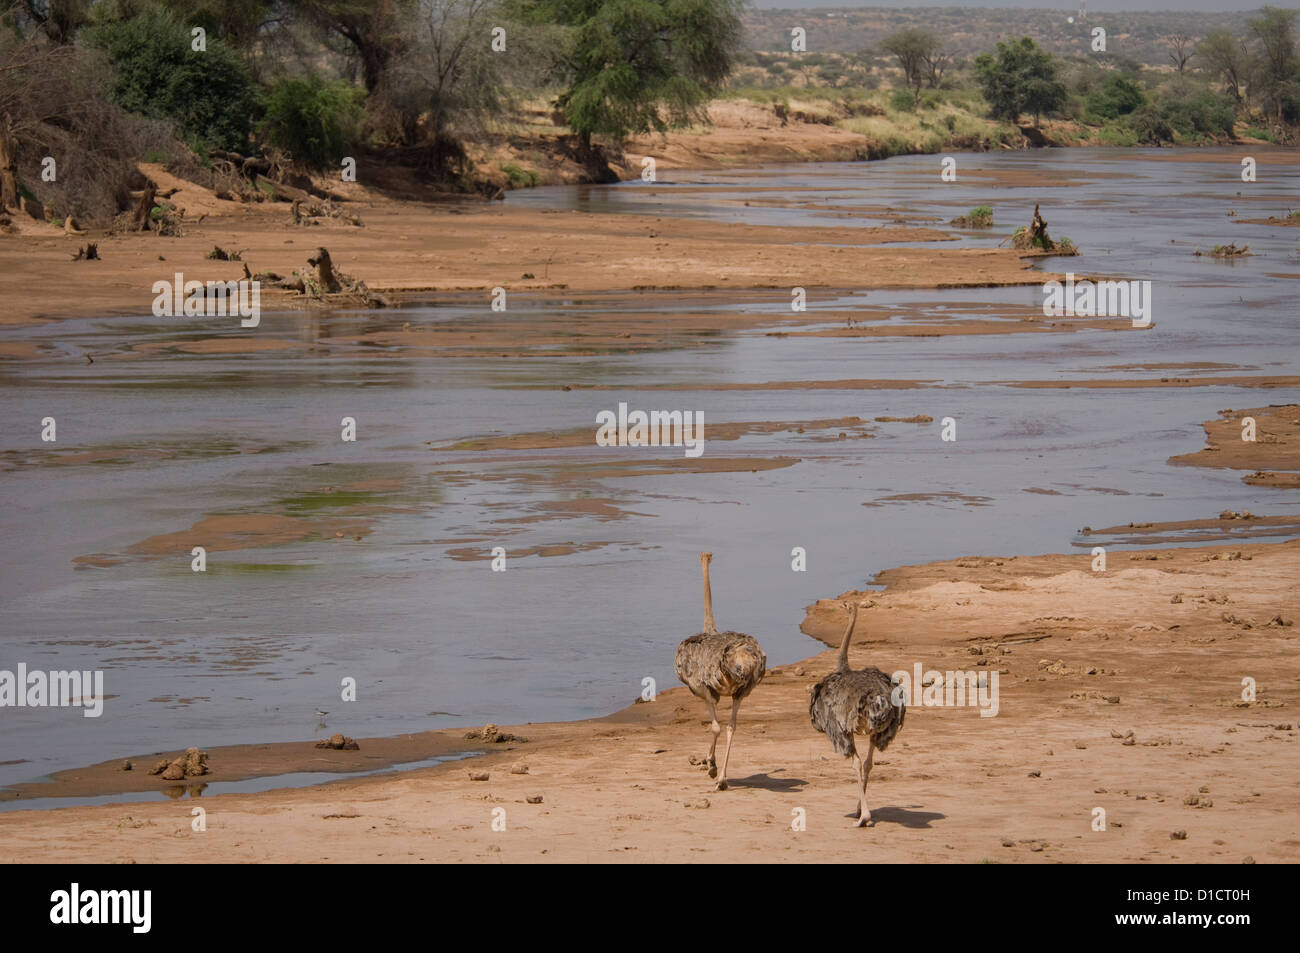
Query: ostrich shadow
[[918, 820], [766, 782]]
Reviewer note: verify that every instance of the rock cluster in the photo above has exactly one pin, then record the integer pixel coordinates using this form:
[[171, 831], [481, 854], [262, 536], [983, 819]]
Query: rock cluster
[[191, 764]]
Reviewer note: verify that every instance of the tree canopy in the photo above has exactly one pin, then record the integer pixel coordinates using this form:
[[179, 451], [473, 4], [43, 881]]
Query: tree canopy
[[1019, 78], [636, 66]]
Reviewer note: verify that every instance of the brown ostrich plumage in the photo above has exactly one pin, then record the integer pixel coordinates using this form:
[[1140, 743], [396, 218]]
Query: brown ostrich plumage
[[847, 703], [715, 664]]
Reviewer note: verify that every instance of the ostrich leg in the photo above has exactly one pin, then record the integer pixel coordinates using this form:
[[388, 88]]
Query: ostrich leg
[[857, 773], [865, 817], [716, 729], [726, 754]]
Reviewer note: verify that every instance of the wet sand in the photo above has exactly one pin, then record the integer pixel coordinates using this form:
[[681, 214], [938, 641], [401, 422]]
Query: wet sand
[[1158, 648], [1276, 446]]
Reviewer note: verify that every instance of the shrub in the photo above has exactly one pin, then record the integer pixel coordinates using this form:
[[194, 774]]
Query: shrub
[[1118, 97], [902, 100], [520, 177], [56, 97], [1149, 126], [312, 119], [1254, 132], [1208, 114], [207, 94]]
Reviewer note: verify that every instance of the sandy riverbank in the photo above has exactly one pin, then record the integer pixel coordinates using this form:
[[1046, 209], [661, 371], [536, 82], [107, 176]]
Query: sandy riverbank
[[1157, 645]]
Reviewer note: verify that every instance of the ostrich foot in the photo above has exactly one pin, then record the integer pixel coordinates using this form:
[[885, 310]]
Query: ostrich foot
[[864, 820], [721, 785]]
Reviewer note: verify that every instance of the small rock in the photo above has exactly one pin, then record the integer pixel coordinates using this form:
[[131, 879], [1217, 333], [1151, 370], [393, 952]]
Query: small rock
[[1248, 859], [478, 775], [1036, 848], [1178, 835], [1035, 774], [700, 804], [1205, 802], [534, 799], [798, 670], [127, 766], [1008, 842], [1191, 800], [1205, 789], [519, 768]]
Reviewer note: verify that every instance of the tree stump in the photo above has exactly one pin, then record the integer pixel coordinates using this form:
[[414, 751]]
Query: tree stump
[[1038, 231], [8, 167], [141, 214], [329, 284]]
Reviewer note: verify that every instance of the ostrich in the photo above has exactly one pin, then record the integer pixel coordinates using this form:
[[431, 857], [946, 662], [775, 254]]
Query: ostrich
[[713, 664], [846, 702]]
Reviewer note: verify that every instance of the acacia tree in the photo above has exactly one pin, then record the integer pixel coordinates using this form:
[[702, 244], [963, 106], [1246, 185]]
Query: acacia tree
[[1180, 50], [919, 55], [448, 83], [1277, 68], [1224, 56], [636, 66], [375, 29], [1019, 78]]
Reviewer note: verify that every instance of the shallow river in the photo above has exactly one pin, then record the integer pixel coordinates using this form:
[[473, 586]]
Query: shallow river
[[246, 651]]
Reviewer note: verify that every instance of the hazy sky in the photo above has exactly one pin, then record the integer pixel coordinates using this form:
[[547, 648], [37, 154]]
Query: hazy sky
[[1099, 6]]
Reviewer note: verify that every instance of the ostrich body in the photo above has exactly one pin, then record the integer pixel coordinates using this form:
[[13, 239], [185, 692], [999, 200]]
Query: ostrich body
[[714, 664], [848, 702]]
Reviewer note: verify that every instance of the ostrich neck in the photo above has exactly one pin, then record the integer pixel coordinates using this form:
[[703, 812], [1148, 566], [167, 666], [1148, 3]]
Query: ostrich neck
[[843, 663], [709, 626]]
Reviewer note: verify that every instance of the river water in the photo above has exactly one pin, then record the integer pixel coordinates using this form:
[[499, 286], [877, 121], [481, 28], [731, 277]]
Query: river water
[[248, 650]]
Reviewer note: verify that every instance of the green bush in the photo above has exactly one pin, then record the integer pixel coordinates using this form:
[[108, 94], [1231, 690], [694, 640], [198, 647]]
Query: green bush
[[520, 178], [1254, 132], [1118, 97], [902, 100], [312, 119], [1117, 136], [1149, 126], [207, 94], [1209, 114]]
